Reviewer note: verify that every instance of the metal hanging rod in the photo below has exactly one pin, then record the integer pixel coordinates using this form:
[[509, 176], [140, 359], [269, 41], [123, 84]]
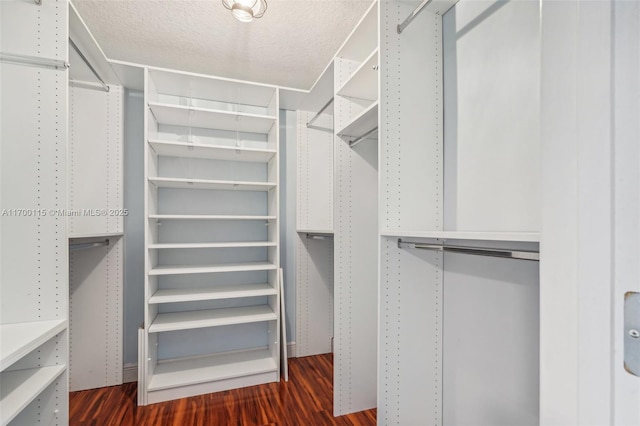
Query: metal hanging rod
[[104, 85], [83, 246], [412, 16], [57, 64], [312, 236], [315, 117], [363, 137], [478, 251]]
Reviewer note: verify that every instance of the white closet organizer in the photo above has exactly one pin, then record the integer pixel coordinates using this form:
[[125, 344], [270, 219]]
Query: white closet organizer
[[33, 283], [212, 240], [460, 167]]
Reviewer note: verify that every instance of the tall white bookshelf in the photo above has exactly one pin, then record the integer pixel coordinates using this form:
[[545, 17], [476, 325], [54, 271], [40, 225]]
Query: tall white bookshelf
[[33, 247], [212, 239]]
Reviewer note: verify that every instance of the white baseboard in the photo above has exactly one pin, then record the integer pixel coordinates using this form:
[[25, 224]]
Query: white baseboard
[[130, 371]]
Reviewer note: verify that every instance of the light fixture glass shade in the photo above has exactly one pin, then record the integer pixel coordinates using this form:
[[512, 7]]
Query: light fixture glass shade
[[246, 10]]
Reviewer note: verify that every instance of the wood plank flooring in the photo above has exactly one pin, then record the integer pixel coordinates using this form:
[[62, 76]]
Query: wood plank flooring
[[306, 400]]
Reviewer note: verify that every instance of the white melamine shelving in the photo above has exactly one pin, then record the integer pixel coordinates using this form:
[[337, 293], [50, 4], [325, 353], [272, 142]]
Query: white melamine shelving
[[187, 116], [211, 152], [216, 367], [20, 387], [208, 217], [17, 340], [212, 245], [219, 292], [315, 231], [364, 122], [207, 269], [363, 84], [211, 318], [183, 183]]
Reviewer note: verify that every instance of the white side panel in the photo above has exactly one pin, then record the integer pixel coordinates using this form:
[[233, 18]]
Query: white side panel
[[315, 172], [627, 197], [356, 257], [491, 116], [95, 161], [314, 296], [410, 120], [410, 349], [96, 296], [491, 341]]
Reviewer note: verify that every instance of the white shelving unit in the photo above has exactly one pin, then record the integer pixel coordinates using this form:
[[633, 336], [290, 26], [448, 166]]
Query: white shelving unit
[[212, 239], [34, 286]]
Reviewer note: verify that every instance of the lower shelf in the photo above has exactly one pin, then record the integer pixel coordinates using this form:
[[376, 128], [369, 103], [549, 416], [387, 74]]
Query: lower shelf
[[175, 321], [20, 387], [184, 377]]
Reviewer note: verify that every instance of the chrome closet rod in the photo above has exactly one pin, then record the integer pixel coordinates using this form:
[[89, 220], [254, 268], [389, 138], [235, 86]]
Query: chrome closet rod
[[83, 246], [363, 137], [311, 236], [412, 16], [34, 60], [104, 85], [478, 251], [315, 117]]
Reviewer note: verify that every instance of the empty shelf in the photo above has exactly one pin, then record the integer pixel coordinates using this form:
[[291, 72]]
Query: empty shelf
[[366, 121], [211, 318], [205, 269], [215, 293], [211, 152], [363, 84], [183, 183], [213, 245], [178, 115], [20, 387], [184, 372], [208, 217], [17, 340]]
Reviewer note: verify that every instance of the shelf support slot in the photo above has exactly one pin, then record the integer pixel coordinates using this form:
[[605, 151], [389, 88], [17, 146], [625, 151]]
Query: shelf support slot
[[315, 117], [412, 16], [478, 251], [104, 85], [363, 137]]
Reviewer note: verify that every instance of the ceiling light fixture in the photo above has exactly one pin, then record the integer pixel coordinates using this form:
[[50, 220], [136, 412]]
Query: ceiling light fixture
[[246, 10]]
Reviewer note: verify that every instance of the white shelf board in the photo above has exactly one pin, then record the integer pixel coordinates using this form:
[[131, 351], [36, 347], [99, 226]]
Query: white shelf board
[[212, 245], [219, 292], [190, 371], [528, 237], [182, 183], [363, 83], [364, 37], [186, 84], [365, 121], [315, 231], [20, 387], [188, 320], [208, 217], [211, 152], [321, 92], [179, 115], [99, 235], [17, 340], [205, 269]]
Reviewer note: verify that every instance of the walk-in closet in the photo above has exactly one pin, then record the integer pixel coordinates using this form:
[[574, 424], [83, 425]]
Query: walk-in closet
[[347, 212]]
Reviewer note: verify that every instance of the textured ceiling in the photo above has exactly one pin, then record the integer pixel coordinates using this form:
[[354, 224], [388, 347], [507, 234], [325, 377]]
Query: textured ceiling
[[289, 46]]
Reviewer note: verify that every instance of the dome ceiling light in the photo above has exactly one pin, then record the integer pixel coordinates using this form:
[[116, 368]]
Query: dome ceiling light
[[246, 10]]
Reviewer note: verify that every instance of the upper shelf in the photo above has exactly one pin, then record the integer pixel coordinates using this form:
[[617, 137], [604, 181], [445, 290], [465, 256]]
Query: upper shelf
[[366, 121], [187, 116], [211, 152], [363, 84], [224, 185], [21, 338], [363, 39]]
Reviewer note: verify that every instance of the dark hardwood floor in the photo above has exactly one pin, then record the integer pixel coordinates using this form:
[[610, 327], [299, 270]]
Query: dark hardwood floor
[[307, 399]]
